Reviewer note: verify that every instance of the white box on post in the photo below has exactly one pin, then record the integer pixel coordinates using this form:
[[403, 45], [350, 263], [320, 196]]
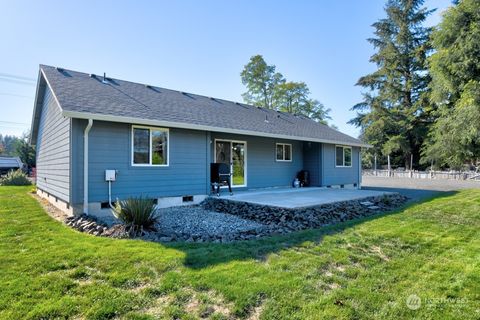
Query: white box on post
[[110, 175]]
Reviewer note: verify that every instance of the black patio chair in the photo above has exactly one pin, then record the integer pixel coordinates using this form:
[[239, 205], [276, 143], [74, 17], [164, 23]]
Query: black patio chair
[[220, 176]]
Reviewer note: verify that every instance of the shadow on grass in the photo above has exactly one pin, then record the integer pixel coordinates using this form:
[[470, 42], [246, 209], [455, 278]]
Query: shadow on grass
[[203, 255]]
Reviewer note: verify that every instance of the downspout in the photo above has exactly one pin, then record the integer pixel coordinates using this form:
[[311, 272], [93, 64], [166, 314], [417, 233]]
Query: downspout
[[85, 165], [360, 168]]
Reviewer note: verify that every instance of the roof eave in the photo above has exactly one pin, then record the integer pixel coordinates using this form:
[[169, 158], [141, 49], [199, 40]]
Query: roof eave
[[182, 125]]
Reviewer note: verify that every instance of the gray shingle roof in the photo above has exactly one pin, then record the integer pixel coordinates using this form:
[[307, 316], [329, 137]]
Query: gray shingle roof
[[81, 95], [10, 162]]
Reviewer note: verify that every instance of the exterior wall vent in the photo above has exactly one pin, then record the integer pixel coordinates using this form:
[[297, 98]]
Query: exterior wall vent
[[187, 199]]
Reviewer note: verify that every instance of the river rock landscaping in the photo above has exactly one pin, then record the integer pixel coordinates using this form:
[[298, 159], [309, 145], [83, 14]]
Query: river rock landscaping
[[224, 220]]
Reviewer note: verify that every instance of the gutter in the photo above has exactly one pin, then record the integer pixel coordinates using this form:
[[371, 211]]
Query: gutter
[[85, 165], [181, 125]]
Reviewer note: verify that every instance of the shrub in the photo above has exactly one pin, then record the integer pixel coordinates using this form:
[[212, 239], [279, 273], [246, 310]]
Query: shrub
[[15, 178], [137, 214]]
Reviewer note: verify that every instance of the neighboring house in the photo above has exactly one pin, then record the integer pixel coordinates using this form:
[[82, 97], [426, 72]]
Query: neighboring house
[[161, 142], [10, 163]]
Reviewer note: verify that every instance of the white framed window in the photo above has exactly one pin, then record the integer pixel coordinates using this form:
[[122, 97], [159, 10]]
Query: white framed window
[[343, 156], [150, 146], [283, 152]]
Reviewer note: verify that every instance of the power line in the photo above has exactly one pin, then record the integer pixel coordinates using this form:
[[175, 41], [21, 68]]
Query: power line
[[13, 76], [14, 95], [17, 128], [17, 81], [12, 122]]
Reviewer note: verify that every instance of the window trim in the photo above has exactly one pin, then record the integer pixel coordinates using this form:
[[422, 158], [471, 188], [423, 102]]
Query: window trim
[[351, 155], [291, 152], [150, 164]]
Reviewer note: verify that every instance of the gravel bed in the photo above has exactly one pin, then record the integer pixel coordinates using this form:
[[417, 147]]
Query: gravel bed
[[195, 219], [221, 220]]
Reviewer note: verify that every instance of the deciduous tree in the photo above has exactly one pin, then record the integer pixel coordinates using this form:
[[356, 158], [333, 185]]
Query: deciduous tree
[[269, 89], [261, 81]]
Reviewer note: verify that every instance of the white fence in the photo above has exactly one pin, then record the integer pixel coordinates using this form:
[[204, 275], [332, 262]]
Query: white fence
[[455, 175]]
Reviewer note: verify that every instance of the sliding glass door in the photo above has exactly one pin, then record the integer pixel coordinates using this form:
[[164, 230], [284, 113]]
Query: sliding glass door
[[233, 153]]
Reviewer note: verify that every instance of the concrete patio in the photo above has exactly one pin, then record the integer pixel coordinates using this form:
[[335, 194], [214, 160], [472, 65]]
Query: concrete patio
[[296, 198]]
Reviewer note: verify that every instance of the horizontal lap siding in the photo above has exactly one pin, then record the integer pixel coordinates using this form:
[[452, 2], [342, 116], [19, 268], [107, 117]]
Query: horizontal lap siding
[[333, 175], [53, 150], [262, 169], [110, 148]]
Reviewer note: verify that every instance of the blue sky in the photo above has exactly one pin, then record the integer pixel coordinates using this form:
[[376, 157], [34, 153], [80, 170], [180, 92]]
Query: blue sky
[[192, 46]]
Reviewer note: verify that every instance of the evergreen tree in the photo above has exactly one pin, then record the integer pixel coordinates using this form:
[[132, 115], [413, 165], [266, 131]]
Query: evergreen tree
[[455, 69], [394, 115]]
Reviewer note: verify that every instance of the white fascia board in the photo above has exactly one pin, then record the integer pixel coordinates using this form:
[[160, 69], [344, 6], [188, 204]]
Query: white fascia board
[[51, 89], [41, 76], [160, 123]]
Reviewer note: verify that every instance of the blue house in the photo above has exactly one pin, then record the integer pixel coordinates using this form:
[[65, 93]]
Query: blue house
[[98, 137]]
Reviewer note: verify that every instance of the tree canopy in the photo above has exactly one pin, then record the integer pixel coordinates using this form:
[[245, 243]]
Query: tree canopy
[[18, 147], [394, 115], [455, 87], [269, 89]]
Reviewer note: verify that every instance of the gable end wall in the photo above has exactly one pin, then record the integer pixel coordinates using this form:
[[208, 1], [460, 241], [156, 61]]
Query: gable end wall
[[53, 150]]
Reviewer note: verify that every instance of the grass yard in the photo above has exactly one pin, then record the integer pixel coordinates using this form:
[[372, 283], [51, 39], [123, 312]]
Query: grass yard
[[362, 269]]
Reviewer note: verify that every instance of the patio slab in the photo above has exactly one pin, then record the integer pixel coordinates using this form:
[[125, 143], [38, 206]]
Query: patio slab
[[296, 198]]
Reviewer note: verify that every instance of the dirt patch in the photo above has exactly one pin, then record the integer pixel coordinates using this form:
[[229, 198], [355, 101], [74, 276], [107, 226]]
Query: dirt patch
[[207, 303], [158, 307], [49, 208], [202, 304], [139, 288], [340, 268], [192, 306], [333, 286], [256, 312], [378, 251]]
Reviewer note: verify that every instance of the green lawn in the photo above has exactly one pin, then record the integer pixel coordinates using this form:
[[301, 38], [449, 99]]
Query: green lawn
[[362, 269]]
